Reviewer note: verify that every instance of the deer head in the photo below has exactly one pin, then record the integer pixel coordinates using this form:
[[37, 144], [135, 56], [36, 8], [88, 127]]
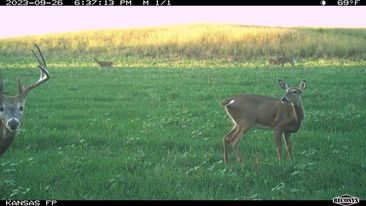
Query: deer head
[[12, 107]]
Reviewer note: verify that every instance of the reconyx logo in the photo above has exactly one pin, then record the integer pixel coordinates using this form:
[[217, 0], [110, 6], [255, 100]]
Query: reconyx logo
[[346, 200]]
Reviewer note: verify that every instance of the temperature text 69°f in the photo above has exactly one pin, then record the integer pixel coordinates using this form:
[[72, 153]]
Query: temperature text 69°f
[[348, 2]]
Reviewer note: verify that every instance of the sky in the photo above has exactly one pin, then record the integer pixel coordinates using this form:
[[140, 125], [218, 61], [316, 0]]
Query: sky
[[31, 20]]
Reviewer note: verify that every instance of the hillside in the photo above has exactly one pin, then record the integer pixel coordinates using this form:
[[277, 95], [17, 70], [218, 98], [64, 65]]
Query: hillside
[[201, 41]]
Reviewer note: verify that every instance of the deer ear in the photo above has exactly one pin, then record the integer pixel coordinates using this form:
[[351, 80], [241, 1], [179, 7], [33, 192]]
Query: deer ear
[[302, 85], [283, 84]]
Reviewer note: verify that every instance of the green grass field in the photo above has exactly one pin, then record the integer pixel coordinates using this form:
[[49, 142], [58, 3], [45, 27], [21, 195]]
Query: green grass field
[[154, 130]]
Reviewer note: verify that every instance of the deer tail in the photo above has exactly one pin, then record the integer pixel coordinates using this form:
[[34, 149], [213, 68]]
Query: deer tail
[[227, 102]]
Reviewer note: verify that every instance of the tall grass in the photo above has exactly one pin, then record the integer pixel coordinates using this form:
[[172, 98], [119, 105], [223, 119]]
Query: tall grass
[[201, 41]]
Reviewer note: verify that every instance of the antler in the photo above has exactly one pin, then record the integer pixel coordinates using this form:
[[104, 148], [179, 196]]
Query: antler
[[43, 77]]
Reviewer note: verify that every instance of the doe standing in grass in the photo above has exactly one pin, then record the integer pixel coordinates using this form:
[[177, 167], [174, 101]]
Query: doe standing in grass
[[283, 116], [12, 107], [282, 60]]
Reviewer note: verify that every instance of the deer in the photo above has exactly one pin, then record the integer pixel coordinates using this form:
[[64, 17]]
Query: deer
[[12, 107], [281, 60], [283, 116], [103, 64], [291, 60]]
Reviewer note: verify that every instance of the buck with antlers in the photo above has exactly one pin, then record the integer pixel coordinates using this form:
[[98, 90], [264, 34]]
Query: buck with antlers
[[12, 107], [283, 116]]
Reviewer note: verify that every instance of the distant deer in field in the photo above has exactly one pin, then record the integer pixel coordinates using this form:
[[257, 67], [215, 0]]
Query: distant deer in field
[[104, 64], [12, 107], [283, 116], [282, 60]]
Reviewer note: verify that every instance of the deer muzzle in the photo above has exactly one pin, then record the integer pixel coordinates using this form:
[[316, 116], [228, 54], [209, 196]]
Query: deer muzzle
[[12, 124], [284, 100]]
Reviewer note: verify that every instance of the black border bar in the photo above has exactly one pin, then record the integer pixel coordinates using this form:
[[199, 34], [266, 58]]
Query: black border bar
[[163, 202], [325, 3]]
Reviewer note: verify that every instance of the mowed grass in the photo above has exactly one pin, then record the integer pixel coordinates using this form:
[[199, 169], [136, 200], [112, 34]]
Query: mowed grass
[[156, 133]]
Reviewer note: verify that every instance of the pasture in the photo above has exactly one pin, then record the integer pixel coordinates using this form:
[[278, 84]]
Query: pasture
[[154, 129]]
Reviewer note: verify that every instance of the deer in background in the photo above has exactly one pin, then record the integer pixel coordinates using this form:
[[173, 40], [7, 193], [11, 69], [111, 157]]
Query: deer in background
[[12, 107], [104, 64], [283, 116], [281, 60]]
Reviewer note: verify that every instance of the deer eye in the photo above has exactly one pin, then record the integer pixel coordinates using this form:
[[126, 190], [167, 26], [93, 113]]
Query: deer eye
[[21, 108], [294, 91], [1, 108]]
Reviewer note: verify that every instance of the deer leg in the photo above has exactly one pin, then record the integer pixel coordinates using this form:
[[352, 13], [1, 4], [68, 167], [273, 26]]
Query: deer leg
[[278, 135], [227, 139], [239, 134], [288, 144]]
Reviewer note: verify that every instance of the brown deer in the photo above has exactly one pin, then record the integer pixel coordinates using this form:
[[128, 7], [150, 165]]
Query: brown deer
[[12, 107], [104, 64], [281, 60], [283, 116]]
